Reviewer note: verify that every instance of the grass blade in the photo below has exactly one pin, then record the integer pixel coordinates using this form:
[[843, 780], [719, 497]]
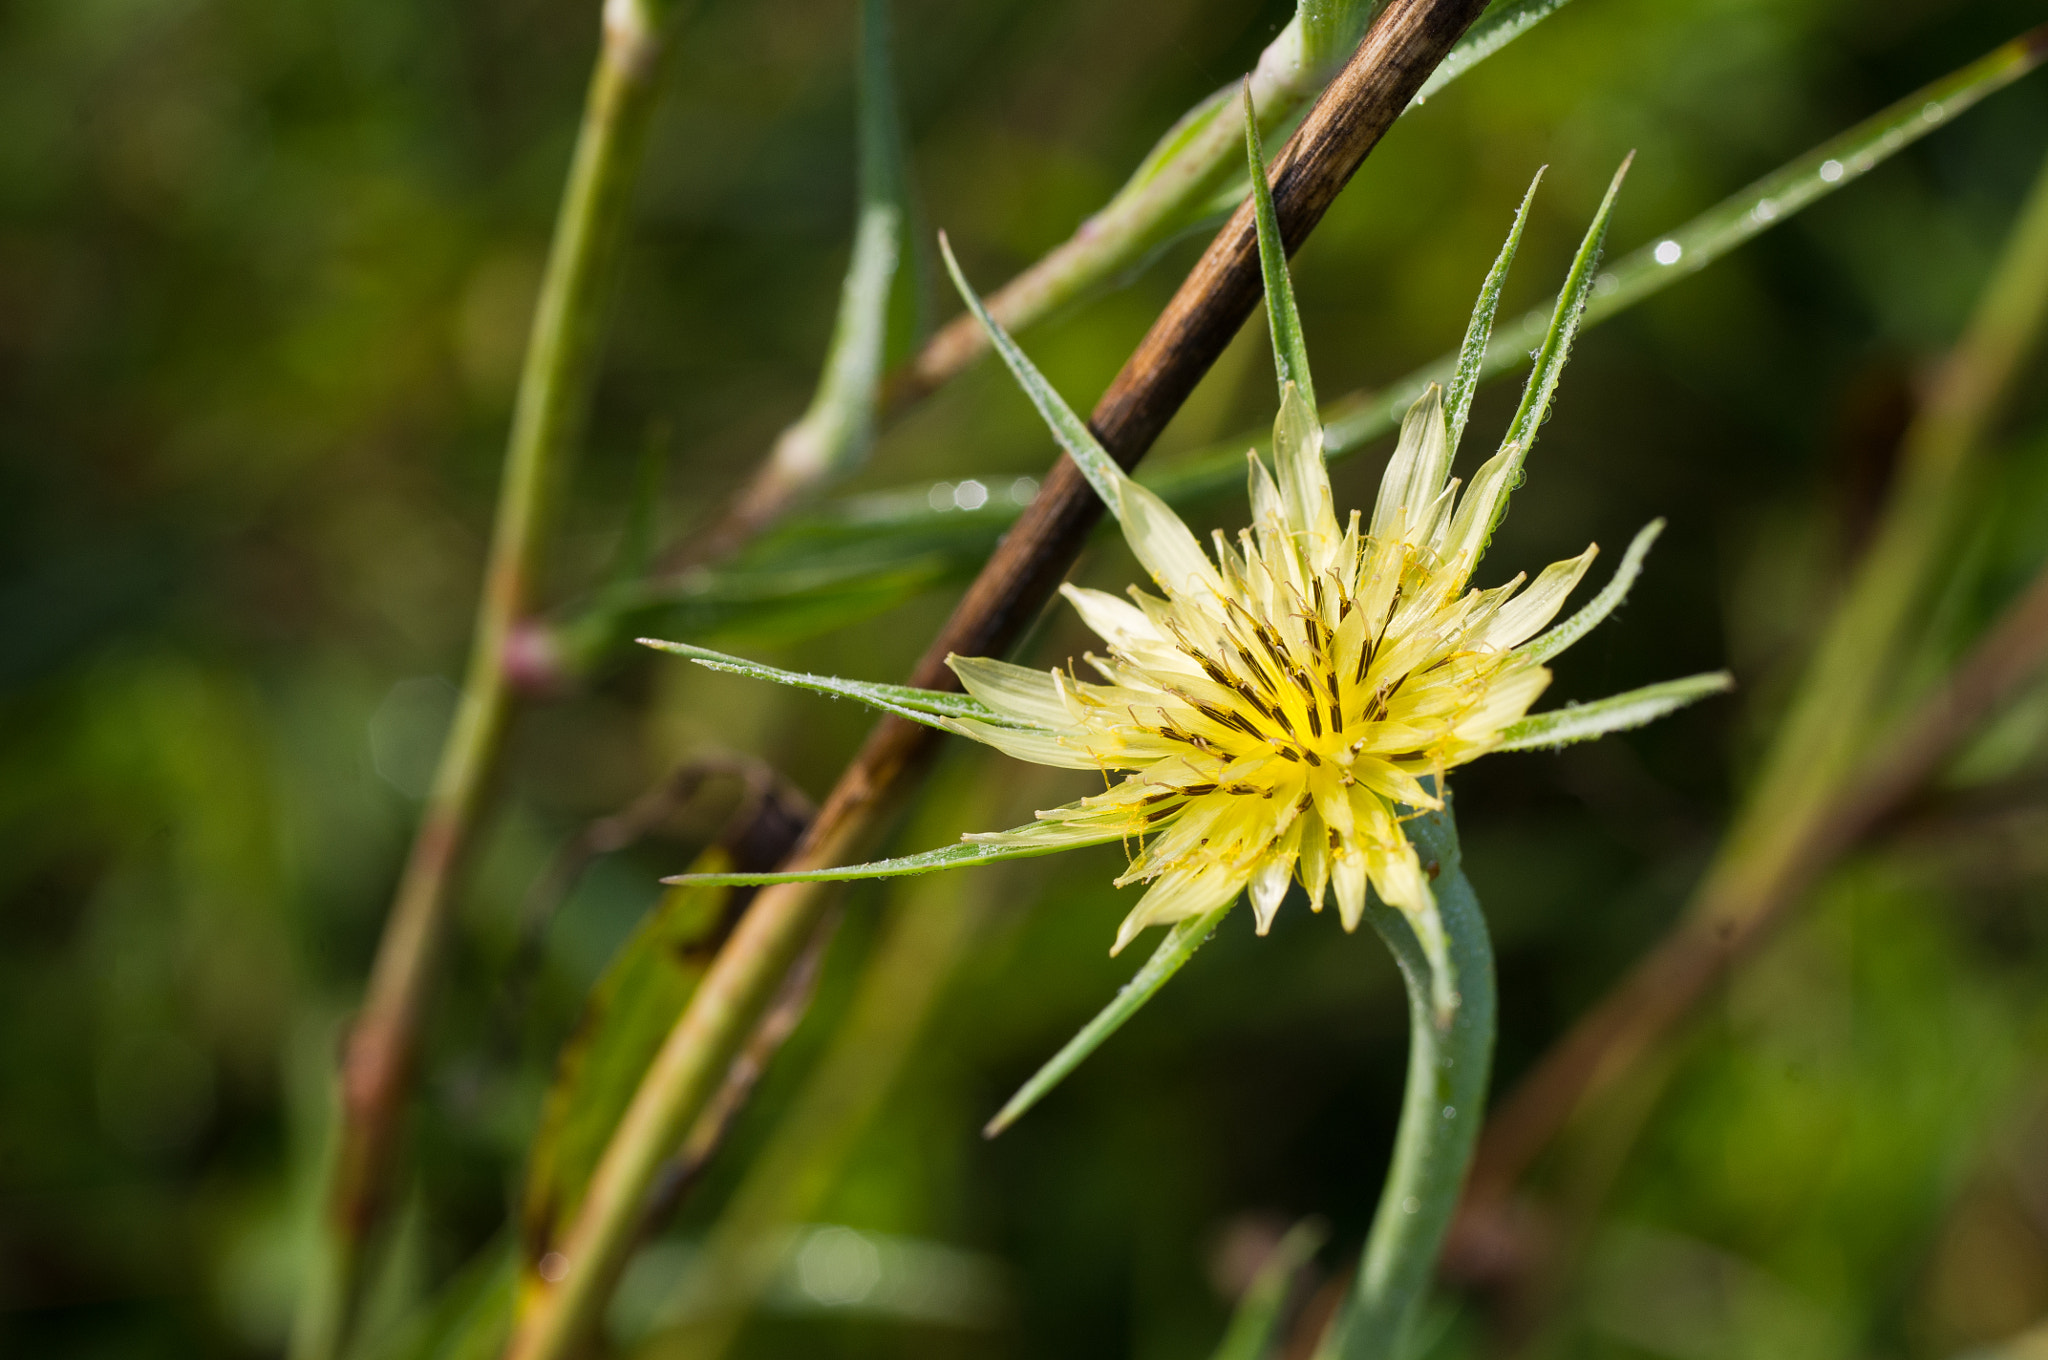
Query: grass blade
[[1500, 25], [1070, 430], [963, 855], [1176, 949], [1465, 379], [835, 433], [930, 707], [1617, 712], [1290, 350], [1600, 606]]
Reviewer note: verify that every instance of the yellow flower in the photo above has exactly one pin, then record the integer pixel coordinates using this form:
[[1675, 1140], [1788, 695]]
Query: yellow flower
[[1285, 700], [1284, 703]]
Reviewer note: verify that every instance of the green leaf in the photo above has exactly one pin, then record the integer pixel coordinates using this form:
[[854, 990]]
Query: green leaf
[[1176, 949], [628, 1014], [1618, 712], [1600, 606], [1330, 29], [1500, 25], [1556, 349], [1465, 379], [1069, 429], [1290, 350], [838, 429], [1252, 1324], [958, 856], [927, 706]]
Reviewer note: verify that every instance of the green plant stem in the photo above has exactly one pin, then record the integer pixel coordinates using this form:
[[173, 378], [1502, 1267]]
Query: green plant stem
[[1441, 1111], [1820, 757], [561, 361]]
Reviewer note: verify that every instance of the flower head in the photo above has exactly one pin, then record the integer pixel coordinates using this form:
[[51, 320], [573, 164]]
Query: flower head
[[1287, 699], [1284, 702]]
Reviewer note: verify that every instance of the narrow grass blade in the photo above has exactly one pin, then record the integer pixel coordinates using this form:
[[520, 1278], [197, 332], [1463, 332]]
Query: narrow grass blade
[[1551, 356], [1600, 606], [961, 856], [1069, 429], [930, 707], [1176, 949], [1465, 379], [1500, 25], [1258, 1313], [1290, 350], [1616, 713], [838, 429]]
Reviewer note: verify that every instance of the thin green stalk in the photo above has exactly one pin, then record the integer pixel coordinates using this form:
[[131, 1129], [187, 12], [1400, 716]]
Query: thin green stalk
[[1441, 1111], [554, 389]]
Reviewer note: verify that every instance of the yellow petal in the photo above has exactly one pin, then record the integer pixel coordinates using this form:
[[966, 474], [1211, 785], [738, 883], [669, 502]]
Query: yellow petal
[[1175, 897], [1014, 691], [1531, 612]]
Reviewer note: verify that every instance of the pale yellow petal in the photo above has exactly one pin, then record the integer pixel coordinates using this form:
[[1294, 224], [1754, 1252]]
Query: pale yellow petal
[[1040, 748], [1531, 612], [1177, 896], [1014, 691], [1304, 480], [1422, 454], [1164, 546]]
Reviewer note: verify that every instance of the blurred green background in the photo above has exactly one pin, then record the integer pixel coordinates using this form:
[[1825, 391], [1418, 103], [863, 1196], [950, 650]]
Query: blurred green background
[[264, 277]]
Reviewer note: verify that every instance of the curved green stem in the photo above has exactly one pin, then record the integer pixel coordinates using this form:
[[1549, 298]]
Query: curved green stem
[[1441, 1113]]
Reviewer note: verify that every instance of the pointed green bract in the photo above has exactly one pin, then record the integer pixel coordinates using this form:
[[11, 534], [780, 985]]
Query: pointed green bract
[[1465, 380], [1290, 351], [1616, 713], [931, 707], [1069, 429], [961, 856], [1175, 950], [1600, 606], [1538, 392]]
